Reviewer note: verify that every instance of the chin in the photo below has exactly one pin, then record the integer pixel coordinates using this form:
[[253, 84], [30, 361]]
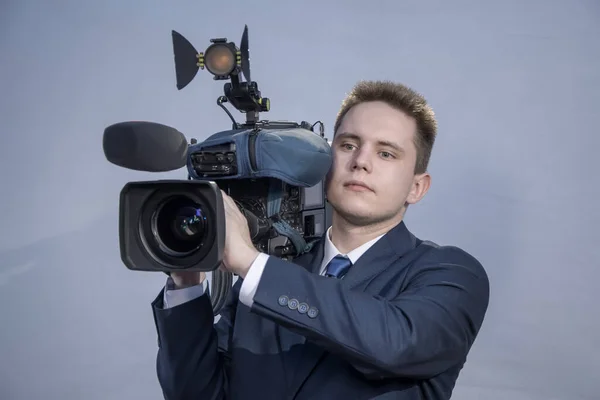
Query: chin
[[361, 212], [358, 213]]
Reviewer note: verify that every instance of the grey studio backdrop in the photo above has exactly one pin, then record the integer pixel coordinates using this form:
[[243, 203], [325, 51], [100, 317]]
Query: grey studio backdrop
[[515, 88]]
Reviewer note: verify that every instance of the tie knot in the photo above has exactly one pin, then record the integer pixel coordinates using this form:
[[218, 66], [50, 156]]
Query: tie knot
[[338, 266]]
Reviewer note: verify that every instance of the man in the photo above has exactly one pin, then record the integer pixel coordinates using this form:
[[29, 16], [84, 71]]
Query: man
[[371, 312]]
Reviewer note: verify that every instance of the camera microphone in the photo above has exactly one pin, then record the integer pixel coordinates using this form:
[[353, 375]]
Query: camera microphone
[[145, 146]]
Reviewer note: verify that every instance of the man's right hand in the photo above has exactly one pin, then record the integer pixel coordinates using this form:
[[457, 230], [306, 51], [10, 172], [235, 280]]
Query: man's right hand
[[187, 279]]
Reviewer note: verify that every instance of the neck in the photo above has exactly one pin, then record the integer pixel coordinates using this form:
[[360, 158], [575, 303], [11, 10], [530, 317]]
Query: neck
[[347, 237]]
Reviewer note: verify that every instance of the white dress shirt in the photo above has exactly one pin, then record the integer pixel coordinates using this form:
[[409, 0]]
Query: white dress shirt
[[174, 297]]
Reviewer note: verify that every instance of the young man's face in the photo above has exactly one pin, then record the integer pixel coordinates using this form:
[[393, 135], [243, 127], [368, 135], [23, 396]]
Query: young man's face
[[374, 147]]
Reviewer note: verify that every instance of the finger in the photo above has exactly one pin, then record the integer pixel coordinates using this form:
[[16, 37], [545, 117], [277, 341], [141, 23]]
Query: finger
[[231, 207], [225, 196], [228, 200]]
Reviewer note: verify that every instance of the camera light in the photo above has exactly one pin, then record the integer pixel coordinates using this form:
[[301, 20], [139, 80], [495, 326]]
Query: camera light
[[220, 59]]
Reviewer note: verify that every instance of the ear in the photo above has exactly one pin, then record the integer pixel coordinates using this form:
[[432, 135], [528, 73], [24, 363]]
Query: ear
[[420, 186]]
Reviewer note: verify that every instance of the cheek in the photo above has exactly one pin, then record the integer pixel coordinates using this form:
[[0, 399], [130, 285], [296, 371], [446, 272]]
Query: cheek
[[333, 181], [330, 175], [394, 185], [335, 169]]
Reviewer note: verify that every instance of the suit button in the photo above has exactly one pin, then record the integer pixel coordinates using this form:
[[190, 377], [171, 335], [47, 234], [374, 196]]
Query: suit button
[[302, 308], [313, 312], [283, 300], [293, 304]]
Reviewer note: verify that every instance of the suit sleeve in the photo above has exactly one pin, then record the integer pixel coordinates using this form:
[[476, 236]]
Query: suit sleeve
[[426, 329], [193, 354]]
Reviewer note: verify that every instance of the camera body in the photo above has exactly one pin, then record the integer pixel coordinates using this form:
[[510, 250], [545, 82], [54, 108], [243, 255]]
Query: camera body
[[170, 225], [303, 209], [274, 170], [275, 173]]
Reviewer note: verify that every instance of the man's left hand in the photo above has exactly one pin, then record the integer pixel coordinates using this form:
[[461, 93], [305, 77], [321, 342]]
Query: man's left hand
[[239, 252]]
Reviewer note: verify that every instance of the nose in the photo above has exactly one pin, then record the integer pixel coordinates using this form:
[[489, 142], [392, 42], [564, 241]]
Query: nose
[[361, 160]]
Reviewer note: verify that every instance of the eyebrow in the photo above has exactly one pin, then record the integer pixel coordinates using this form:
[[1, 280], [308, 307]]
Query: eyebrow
[[353, 136]]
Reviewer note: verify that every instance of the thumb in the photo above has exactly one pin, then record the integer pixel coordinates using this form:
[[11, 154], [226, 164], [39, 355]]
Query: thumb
[[223, 267]]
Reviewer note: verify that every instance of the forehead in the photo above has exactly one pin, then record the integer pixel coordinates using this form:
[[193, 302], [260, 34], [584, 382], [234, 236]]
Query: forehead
[[379, 121]]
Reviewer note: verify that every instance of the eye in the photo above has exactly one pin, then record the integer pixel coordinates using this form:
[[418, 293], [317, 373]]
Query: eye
[[347, 146], [386, 154]]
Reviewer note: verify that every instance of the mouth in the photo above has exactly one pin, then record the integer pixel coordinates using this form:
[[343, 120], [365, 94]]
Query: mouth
[[357, 186]]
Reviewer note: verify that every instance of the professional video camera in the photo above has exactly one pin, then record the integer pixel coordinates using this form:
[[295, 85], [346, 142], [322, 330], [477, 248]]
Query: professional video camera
[[274, 170]]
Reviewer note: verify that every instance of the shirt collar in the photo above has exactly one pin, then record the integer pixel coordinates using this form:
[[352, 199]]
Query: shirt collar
[[331, 251]]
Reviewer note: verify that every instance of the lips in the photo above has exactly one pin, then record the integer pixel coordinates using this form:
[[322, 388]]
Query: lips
[[357, 184]]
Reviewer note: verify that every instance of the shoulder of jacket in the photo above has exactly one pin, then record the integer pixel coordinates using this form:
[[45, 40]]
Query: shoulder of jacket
[[433, 253]]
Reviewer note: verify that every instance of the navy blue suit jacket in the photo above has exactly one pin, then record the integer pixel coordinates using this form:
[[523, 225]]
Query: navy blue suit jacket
[[398, 326]]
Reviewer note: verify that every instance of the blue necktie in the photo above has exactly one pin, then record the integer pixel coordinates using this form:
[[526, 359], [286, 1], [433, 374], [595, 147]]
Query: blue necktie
[[338, 266]]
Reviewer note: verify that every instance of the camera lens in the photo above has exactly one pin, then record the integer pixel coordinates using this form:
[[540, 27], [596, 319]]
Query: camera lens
[[180, 226]]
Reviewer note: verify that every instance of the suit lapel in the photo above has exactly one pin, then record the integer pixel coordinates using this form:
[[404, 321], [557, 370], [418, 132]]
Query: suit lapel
[[397, 242], [393, 245], [313, 259]]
